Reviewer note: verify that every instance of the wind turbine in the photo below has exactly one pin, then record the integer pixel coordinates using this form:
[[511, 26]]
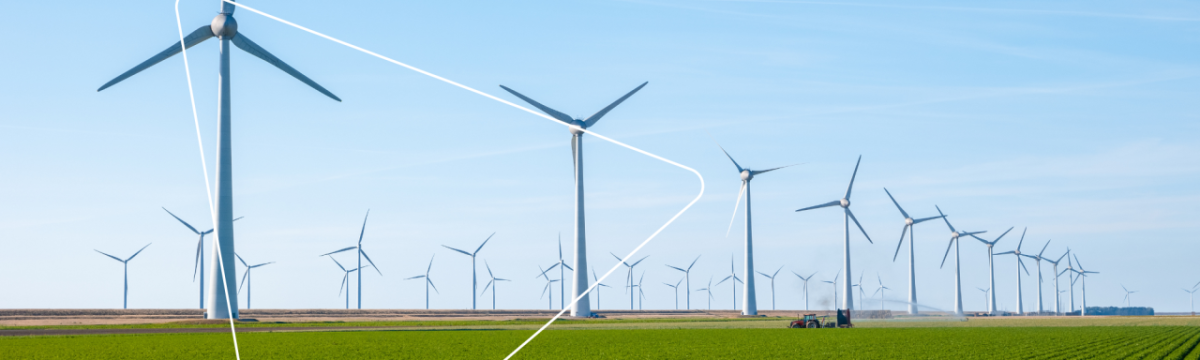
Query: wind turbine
[[687, 274], [492, 283], [1072, 277], [676, 288], [708, 289], [749, 295], [805, 287], [1127, 300], [345, 280], [1191, 299], [472, 255], [882, 295], [225, 28], [428, 281], [1056, 274], [986, 302], [912, 270], [1020, 265], [861, 292], [641, 295], [125, 264], [199, 253], [844, 202], [772, 277], [246, 277], [549, 301], [954, 236], [361, 255], [1038, 259], [1083, 284], [597, 280], [577, 127], [834, 283], [992, 269], [629, 277], [562, 266], [732, 275]]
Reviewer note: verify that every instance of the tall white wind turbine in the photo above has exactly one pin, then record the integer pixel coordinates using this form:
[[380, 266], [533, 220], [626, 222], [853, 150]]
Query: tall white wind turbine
[[1083, 284], [581, 308], [955, 235], [733, 284], [125, 264], [772, 277], [361, 255], [708, 290], [880, 291], [493, 283], [805, 279], [199, 252], [844, 202], [345, 280], [225, 28], [749, 295], [474, 284], [428, 281], [676, 288], [246, 281], [1020, 265], [991, 309], [912, 269], [1128, 300], [1038, 259], [687, 274], [1057, 302]]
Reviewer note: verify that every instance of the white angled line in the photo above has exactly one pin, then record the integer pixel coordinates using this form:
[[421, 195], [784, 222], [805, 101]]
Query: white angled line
[[506, 102], [204, 165]]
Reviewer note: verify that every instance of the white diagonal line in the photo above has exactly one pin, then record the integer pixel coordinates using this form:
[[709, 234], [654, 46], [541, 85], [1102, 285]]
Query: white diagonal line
[[489, 96]]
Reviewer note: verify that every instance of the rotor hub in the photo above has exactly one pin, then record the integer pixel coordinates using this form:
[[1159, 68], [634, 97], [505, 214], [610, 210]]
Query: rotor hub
[[908, 221], [224, 26], [747, 175], [576, 127], [954, 234], [845, 203]]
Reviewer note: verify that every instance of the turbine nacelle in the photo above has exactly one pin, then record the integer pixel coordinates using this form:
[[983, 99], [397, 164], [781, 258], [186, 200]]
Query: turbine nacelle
[[908, 221], [845, 203], [224, 26], [747, 175], [576, 127]]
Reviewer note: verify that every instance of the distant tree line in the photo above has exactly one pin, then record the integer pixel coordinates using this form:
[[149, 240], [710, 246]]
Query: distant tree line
[[1118, 311]]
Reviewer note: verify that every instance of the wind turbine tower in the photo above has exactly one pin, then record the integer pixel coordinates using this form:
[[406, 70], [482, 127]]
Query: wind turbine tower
[[1083, 284], [474, 283], [708, 290], [772, 277], [581, 308], [676, 288], [345, 280], [955, 235], [361, 255], [1038, 259], [246, 281], [733, 284], [844, 202], [225, 28], [429, 281], [1020, 265], [1057, 309], [992, 269], [687, 274], [805, 279], [125, 264], [493, 283], [912, 270]]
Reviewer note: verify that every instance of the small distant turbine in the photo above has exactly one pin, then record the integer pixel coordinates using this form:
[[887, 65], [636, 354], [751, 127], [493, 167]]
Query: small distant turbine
[[361, 255], [676, 288], [562, 274], [912, 269], [834, 283], [1083, 284], [1071, 269], [199, 253], [772, 277], [474, 285], [1057, 302], [246, 278], [992, 268], [986, 302], [599, 285], [493, 283], [629, 277], [1191, 299], [1038, 259], [687, 274], [733, 284], [345, 280], [641, 294], [125, 263], [428, 281], [844, 202], [881, 293], [708, 289], [1128, 300], [955, 235], [1020, 265], [805, 279], [550, 300], [862, 293]]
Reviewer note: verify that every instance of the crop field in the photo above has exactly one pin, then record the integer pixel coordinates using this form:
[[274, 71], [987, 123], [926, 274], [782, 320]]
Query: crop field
[[656, 342]]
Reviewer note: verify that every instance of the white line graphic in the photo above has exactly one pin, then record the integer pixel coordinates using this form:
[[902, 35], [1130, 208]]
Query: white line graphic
[[489, 96]]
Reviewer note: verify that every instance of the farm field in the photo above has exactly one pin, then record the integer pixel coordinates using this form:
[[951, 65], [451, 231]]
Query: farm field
[[1082, 342]]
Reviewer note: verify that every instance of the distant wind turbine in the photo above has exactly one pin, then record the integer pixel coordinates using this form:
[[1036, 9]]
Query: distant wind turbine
[[844, 202], [881, 293], [954, 237], [641, 294], [474, 284], [708, 289], [1128, 300], [428, 281], [991, 309], [125, 264], [733, 284], [493, 283], [1020, 265], [687, 274], [599, 285], [834, 283], [199, 252], [805, 279], [1057, 302], [1083, 284], [345, 280], [361, 255], [986, 302], [549, 301], [629, 277], [246, 281], [562, 274], [676, 288], [772, 277], [1071, 270], [912, 269], [577, 127], [1191, 299], [862, 293], [1038, 259]]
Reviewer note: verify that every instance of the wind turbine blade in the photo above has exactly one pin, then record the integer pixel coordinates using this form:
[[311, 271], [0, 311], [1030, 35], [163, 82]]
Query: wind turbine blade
[[777, 271], [461, 251], [947, 254], [764, 274], [757, 172], [553, 113], [1022, 263], [138, 252], [568, 267], [485, 243], [244, 43], [851, 187], [196, 267], [640, 261], [574, 156], [430, 280], [1061, 272], [1123, 288], [235, 219], [723, 280], [239, 257], [544, 290], [596, 117], [344, 278], [921, 220], [485, 287], [860, 228], [364, 229], [114, 257], [1022, 238], [945, 219], [244, 276], [1043, 249], [618, 258], [902, 233], [735, 164], [694, 262], [430, 264], [902, 212], [1005, 253], [339, 250], [828, 204], [813, 274], [189, 226], [364, 254], [1006, 233], [489, 269], [676, 268], [263, 264], [876, 291], [741, 191], [735, 278], [560, 247], [199, 35], [338, 263], [1077, 262], [415, 277]]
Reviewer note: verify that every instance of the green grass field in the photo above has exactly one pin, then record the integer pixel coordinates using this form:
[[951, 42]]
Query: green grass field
[[648, 340]]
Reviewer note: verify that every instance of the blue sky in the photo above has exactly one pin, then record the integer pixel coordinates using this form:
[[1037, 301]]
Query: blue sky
[[1077, 120]]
